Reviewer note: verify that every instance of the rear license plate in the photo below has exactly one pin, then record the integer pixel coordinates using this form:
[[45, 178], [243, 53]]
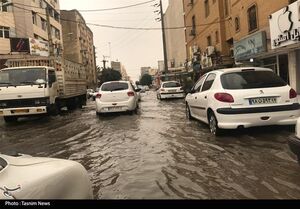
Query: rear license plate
[[115, 108], [263, 100], [172, 91], [20, 111]]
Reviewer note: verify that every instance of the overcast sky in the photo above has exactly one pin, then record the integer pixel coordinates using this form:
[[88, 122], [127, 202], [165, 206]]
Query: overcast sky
[[135, 49]]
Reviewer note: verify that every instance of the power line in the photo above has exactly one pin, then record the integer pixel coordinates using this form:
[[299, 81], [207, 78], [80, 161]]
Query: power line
[[132, 28], [98, 10]]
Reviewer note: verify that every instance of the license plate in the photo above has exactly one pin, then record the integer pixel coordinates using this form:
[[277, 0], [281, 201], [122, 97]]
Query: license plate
[[20, 111], [172, 91], [264, 100], [115, 108]]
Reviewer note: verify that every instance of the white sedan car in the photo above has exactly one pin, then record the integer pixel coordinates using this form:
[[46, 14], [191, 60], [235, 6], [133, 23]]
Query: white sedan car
[[170, 90], [242, 98], [26, 177], [116, 96]]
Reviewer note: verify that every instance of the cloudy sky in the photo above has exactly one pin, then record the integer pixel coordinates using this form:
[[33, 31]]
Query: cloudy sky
[[134, 48]]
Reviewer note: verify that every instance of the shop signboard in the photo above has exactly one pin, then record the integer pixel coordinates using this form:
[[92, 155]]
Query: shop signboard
[[39, 47], [19, 45], [285, 26], [248, 47]]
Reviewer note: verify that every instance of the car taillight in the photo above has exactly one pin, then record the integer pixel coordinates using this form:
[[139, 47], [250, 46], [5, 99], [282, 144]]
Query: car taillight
[[224, 97], [130, 94], [98, 96], [293, 94]]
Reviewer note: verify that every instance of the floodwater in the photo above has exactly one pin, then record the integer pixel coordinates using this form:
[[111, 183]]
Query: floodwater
[[159, 154]]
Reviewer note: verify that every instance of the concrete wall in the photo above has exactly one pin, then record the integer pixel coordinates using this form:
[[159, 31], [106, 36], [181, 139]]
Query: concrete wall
[[176, 49]]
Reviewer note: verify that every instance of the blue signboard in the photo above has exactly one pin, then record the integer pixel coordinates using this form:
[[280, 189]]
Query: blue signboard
[[249, 47]]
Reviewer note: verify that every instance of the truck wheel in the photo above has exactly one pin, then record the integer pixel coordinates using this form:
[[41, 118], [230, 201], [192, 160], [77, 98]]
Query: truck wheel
[[11, 119], [54, 109]]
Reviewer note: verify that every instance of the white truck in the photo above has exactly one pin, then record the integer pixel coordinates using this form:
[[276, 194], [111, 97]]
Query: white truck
[[40, 86]]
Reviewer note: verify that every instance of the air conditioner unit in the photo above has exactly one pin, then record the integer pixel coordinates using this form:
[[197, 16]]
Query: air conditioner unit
[[193, 32], [210, 50]]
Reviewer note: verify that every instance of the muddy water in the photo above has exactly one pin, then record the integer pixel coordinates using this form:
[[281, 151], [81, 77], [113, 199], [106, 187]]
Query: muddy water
[[158, 154]]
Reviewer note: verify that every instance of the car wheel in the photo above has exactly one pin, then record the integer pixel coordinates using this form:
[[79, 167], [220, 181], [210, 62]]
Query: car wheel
[[11, 119], [213, 124], [188, 112]]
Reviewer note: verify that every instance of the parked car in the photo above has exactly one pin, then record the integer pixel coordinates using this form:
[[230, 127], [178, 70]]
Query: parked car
[[26, 177], [294, 142], [90, 93], [242, 98], [117, 96], [170, 90]]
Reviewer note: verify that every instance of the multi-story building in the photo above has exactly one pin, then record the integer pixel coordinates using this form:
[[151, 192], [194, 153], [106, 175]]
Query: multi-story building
[[115, 65], [79, 43], [145, 70], [206, 41], [252, 32], [267, 35], [175, 38], [28, 19]]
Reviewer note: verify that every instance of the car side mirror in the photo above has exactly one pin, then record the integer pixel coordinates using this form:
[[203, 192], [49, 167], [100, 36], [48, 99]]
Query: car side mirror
[[138, 90], [190, 91]]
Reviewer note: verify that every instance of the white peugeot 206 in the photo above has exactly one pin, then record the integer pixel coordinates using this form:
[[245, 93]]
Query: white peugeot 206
[[117, 96], [170, 90], [242, 98]]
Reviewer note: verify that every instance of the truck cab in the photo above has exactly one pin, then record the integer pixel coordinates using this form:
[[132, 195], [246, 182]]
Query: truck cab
[[27, 91]]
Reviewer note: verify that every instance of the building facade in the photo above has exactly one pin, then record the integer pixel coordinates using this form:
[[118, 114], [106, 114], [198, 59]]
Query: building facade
[[225, 33], [175, 38], [79, 44], [25, 19]]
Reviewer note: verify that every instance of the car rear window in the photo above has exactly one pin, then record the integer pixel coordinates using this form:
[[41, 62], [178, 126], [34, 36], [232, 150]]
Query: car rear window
[[115, 86], [251, 80], [171, 85]]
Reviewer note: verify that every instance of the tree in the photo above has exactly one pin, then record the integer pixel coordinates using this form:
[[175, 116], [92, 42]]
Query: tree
[[110, 75], [146, 80]]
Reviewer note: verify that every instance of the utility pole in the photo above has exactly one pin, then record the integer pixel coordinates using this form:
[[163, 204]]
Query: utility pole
[[164, 37], [49, 29]]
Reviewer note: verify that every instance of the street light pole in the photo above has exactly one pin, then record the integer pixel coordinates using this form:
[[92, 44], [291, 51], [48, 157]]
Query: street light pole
[[164, 37]]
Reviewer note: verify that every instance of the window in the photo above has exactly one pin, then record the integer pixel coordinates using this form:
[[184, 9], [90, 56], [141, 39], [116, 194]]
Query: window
[[209, 41], [251, 79], [3, 5], [209, 82], [252, 18], [34, 18], [237, 24], [217, 37], [114, 86], [198, 85], [44, 24], [4, 32], [226, 7], [194, 25], [171, 85], [206, 6]]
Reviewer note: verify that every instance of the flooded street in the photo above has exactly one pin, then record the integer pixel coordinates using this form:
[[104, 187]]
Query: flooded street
[[159, 154]]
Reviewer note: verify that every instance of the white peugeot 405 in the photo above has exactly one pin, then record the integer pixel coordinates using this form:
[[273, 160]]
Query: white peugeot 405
[[116, 96], [242, 98], [170, 90]]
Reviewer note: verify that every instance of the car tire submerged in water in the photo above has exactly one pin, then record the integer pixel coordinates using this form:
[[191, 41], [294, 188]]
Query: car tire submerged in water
[[11, 119], [213, 124], [188, 112]]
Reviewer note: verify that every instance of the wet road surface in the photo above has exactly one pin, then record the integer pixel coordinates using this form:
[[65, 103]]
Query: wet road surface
[[159, 154]]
